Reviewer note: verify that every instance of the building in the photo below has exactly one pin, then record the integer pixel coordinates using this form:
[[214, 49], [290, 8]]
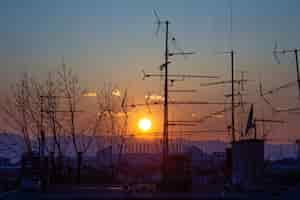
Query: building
[[247, 162], [178, 173], [298, 149], [4, 162], [206, 169]]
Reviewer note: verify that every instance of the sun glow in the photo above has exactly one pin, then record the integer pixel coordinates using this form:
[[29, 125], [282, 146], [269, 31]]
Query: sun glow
[[145, 124]]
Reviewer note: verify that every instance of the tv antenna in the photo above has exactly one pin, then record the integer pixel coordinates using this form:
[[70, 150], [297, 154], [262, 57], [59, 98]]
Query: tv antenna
[[277, 51], [179, 50], [273, 91], [217, 113], [183, 91], [251, 123], [192, 132], [232, 81], [171, 36], [167, 77], [165, 147], [160, 102], [182, 76], [240, 82]]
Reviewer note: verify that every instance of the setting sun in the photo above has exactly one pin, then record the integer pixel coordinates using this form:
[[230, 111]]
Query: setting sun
[[145, 124]]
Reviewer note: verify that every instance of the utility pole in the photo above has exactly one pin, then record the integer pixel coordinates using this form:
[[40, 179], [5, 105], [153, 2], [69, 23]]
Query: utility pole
[[42, 153], [167, 54], [297, 66], [232, 97], [165, 130], [232, 81]]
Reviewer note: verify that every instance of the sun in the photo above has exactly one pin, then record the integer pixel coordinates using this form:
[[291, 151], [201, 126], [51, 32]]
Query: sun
[[145, 124]]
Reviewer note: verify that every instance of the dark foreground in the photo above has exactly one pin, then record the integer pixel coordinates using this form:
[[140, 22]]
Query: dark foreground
[[109, 192]]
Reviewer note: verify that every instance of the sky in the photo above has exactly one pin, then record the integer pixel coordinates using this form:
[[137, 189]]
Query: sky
[[113, 41]]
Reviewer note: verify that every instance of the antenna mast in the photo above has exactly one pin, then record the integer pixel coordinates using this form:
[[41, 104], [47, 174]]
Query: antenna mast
[[164, 66], [165, 130], [232, 76]]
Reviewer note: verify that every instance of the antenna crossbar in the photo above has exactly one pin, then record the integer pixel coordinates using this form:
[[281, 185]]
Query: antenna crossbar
[[269, 121], [183, 91], [224, 82], [148, 75]]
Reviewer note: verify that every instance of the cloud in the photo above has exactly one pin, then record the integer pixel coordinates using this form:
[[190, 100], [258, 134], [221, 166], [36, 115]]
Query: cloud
[[154, 97], [90, 94]]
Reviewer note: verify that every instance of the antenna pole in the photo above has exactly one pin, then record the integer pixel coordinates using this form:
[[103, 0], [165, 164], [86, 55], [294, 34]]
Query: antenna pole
[[43, 144], [232, 96], [255, 133], [42, 153], [242, 81], [165, 131], [297, 65], [263, 127]]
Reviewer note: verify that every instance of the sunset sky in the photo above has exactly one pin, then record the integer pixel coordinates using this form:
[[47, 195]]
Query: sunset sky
[[113, 41]]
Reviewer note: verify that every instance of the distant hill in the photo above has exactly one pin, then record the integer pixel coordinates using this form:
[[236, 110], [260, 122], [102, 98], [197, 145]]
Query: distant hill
[[209, 146], [11, 146], [280, 151]]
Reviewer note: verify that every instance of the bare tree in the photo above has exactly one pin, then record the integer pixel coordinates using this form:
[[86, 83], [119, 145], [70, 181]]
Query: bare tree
[[47, 114], [57, 142], [20, 113], [113, 107], [81, 126]]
